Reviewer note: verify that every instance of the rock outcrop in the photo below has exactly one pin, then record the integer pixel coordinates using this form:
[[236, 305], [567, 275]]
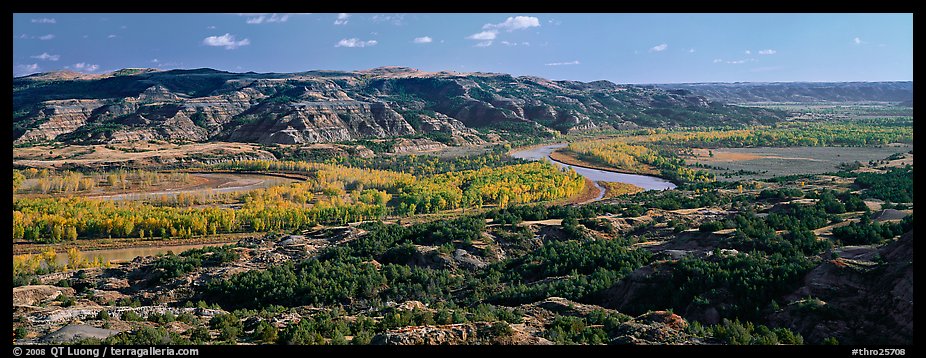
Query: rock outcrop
[[58, 117], [463, 333], [652, 328], [57, 315], [403, 145], [73, 332], [856, 300], [33, 295], [320, 122], [632, 294]]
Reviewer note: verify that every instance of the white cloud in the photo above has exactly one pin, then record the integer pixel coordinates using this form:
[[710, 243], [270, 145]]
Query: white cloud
[[740, 62], [859, 41], [767, 52], [514, 23], [748, 52], [47, 37], [354, 42], [576, 62], [342, 19], [86, 67], [265, 18], [717, 60], [396, 19], [23, 70], [111, 36], [210, 27], [228, 41], [490, 31], [483, 36], [423, 40], [47, 57], [659, 48], [44, 20], [155, 60], [691, 50]]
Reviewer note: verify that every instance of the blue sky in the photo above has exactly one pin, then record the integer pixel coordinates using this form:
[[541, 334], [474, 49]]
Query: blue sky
[[622, 48]]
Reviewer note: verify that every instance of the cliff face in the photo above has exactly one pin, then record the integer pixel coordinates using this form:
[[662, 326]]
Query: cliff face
[[58, 117], [327, 106], [319, 122]]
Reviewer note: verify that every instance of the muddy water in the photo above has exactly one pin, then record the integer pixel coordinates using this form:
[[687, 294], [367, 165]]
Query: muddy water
[[644, 181], [229, 183]]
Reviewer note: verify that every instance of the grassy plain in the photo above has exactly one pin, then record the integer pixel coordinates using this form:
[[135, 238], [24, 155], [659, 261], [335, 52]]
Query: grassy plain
[[763, 163]]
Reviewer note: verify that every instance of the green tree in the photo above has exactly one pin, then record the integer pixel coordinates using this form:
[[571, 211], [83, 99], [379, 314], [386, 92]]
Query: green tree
[[265, 332], [200, 335]]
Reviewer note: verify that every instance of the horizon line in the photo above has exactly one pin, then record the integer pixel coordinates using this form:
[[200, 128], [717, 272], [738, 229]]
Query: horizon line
[[102, 73]]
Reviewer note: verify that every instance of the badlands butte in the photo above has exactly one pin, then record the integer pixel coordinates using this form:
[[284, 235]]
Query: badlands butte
[[331, 106], [390, 206]]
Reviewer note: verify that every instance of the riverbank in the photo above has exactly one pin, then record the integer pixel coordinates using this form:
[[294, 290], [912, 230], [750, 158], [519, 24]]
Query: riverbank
[[532, 147], [561, 157], [592, 192], [613, 189], [543, 152]]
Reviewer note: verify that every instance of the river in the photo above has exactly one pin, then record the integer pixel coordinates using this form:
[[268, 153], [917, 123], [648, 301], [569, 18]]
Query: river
[[216, 183], [644, 181], [541, 153]]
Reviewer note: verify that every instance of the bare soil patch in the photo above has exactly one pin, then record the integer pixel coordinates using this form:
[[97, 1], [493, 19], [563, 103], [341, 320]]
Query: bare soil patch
[[589, 194], [719, 156], [20, 248], [47, 156]]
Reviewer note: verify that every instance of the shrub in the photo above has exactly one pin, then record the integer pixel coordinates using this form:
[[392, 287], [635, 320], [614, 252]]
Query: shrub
[[711, 226]]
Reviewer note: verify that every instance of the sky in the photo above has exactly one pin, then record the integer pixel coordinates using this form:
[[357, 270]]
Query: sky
[[622, 48]]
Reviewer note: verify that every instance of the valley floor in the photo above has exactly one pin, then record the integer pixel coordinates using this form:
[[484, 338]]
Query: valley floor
[[751, 245]]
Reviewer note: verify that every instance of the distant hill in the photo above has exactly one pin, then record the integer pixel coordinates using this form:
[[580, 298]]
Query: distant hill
[[743, 92], [331, 106]]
